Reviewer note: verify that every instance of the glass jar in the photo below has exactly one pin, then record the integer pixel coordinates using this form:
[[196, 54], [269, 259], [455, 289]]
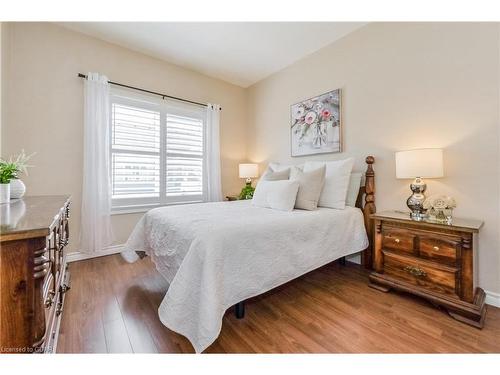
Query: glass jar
[[441, 215]]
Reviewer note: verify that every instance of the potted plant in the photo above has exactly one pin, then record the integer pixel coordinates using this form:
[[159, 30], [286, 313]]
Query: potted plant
[[247, 191], [10, 185], [7, 173]]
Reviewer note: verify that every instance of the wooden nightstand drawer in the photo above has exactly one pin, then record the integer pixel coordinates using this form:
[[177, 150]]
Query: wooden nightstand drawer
[[432, 260], [397, 239], [439, 248], [431, 276]]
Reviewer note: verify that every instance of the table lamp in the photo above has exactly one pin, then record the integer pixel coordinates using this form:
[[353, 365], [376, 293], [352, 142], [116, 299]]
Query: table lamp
[[248, 171], [417, 164]]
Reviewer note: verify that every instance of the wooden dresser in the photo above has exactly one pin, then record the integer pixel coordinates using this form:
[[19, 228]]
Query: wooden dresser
[[33, 278], [431, 260]]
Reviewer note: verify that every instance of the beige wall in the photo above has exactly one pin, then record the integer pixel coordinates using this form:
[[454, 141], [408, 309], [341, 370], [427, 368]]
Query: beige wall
[[44, 106], [405, 86]]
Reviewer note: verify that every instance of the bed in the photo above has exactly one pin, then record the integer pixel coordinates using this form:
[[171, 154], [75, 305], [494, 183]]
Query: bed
[[216, 255]]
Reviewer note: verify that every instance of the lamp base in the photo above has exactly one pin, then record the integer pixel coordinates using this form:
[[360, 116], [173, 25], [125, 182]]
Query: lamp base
[[417, 216], [416, 201]]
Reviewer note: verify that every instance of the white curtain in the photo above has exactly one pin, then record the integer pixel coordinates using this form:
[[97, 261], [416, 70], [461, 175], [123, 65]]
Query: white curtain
[[96, 231], [214, 188]]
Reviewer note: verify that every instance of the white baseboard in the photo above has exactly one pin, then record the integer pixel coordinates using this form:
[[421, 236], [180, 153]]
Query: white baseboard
[[492, 299], [77, 255]]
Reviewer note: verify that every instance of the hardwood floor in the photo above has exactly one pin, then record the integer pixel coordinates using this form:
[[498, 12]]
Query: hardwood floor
[[112, 307]]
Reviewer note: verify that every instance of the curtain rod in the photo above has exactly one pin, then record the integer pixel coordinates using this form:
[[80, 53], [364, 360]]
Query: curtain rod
[[149, 92]]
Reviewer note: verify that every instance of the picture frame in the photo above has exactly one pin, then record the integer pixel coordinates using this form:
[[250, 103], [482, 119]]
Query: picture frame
[[316, 125]]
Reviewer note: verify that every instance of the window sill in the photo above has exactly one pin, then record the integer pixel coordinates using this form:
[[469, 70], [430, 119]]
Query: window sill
[[131, 210], [125, 210]]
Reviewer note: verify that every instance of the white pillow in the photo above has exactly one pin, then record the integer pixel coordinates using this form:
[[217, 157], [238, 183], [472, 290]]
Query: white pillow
[[272, 174], [353, 189], [281, 166], [337, 177], [279, 195], [310, 186]]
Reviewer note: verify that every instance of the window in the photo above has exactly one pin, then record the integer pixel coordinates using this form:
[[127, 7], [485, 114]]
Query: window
[[157, 152]]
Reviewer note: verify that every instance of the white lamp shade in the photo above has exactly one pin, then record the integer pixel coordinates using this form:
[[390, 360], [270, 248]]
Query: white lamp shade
[[249, 170], [425, 163]]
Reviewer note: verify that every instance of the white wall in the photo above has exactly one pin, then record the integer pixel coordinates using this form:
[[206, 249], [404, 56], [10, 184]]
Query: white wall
[[43, 108], [405, 86]]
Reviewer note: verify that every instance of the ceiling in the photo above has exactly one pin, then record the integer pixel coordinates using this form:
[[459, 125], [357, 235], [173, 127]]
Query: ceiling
[[241, 53]]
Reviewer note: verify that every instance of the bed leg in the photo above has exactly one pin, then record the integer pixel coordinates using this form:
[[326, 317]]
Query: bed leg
[[342, 261], [239, 310]]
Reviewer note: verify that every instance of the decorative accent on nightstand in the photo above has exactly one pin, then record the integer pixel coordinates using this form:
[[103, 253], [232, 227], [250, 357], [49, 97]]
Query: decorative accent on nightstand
[[440, 208], [417, 164], [431, 260], [232, 197]]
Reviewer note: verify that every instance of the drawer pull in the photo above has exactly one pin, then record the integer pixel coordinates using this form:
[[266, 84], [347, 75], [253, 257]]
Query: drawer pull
[[397, 240], [40, 260], [436, 248], [63, 242], [415, 271], [59, 308], [65, 288], [41, 270], [42, 267], [49, 301]]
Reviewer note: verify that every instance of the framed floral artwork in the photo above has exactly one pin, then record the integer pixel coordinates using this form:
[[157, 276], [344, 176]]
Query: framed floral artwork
[[316, 125]]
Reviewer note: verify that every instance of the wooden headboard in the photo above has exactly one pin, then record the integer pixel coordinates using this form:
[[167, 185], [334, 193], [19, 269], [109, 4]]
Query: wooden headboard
[[366, 202]]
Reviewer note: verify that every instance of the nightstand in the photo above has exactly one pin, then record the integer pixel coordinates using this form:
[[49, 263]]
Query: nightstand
[[431, 260]]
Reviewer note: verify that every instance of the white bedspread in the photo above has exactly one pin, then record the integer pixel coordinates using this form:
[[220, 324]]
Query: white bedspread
[[215, 255]]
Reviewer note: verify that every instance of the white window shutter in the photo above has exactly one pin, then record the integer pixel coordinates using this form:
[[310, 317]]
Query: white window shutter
[[184, 156], [135, 152], [157, 153]]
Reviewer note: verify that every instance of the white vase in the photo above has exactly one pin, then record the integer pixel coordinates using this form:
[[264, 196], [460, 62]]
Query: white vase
[[17, 188], [14, 213], [4, 193]]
